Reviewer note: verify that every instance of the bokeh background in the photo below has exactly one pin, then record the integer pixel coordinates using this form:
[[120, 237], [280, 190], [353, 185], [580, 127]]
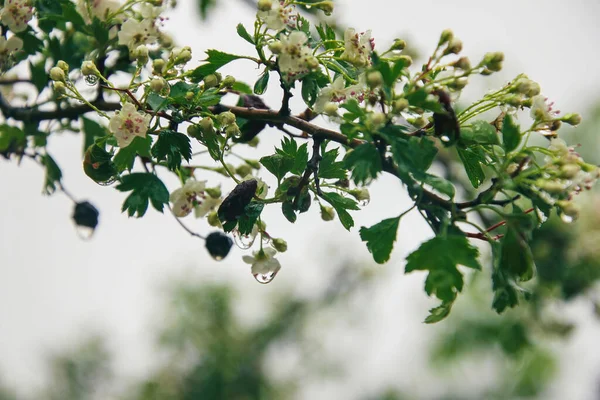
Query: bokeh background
[[142, 312]]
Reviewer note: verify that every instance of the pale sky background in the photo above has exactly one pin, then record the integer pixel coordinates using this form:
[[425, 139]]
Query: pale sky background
[[55, 288]]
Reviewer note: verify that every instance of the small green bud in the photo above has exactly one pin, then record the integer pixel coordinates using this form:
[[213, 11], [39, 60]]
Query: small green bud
[[418, 122], [569, 208], [141, 54], [89, 68], [569, 171], [454, 46], [405, 58], [325, 6], [157, 66], [400, 105], [211, 81], [243, 170], [374, 79], [399, 44], [280, 245], [228, 82], [57, 74], [63, 65], [265, 5], [493, 61], [59, 87], [194, 131], [214, 192], [312, 63], [207, 125], [189, 96], [459, 83], [446, 36], [377, 118], [361, 194], [553, 187], [213, 219], [182, 56], [330, 109], [157, 85], [276, 47], [327, 213], [226, 118], [572, 119], [232, 130], [254, 141], [463, 63]]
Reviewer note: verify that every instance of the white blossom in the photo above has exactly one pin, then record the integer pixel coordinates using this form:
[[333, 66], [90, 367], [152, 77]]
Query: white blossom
[[541, 110], [358, 47], [129, 123], [295, 57], [8, 47], [263, 262], [16, 14], [134, 33], [100, 9], [336, 93], [278, 17], [206, 206], [186, 198]]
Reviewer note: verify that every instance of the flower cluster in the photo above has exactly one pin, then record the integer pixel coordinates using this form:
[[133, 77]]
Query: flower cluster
[[101, 9], [336, 93], [276, 15], [16, 14], [358, 47], [295, 57], [7, 50], [194, 196], [129, 123]]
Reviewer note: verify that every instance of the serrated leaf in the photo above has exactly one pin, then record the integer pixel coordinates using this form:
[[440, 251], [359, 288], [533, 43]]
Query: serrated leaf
[[260, 86], [439, 313], [341, 204], [241, 30], [516, 259], [11, 138], [440, 184], [172, 146], [215, 60], [365, 163], [125, 158], [480, 132], [329, 168], [144, 187], [92, 130], [277, 164], [380, 238], [472, 163], [287, 208], [511, 134], [247, 220], [98, 165], [53, 174]]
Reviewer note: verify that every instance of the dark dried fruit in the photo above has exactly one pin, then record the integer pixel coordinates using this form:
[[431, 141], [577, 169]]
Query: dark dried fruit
[[233, 206], [86, 215], [218, 245]]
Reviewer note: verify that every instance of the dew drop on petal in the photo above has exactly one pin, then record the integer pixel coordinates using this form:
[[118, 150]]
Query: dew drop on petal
[[244, 242], [567, 219], [445, 138], [91, 80], [265, 278], [364, 203]]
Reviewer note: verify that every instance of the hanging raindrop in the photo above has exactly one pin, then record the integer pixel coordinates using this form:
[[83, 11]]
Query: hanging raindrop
[[91, 80], [567, 219], [244, 242], [265, 278]]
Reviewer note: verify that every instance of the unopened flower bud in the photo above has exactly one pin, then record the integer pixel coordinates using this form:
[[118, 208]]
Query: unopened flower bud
[[454, 46], [553, 187], [182, 56], [446, 36], [418, 122], [330, 108], [214, 192], [399, 44], [228, 82], [280, 245], [59, 87], [325, 6], [400, 105], [158, 85], [243, 170], [63, 65], [493, 61], [463, 63], [141, 54], [194, 131], [213, 219], [361, 194], [572, 119], [568, 208], [226, 118], [57, 74], [377, 118], [327, 213], [89, 68], [254, 141], [569, 171], [406, 59], [253, 163], [211, 81], [232, 130], [157, 66], [312, 63], [207, 125], [265, 5], [374, 79], [459, 83], [276, 47], [189, 96]]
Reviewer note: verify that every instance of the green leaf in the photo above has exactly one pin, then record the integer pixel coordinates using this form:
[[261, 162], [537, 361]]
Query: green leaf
[[515, 255], [439, 313], [480, 132], [413, 154], [39, 77], [441, 256], [511, 133], [277, 164], [98, 165], [341, 204], [287, 208], [11, 138], [241, 30], [215, 60], [144, 187], [472, 161], [329, 168], [365, 163], [242, 87], [172, 146], [505, 292], [440, 184], [327, 34], [297, 155], [125, 158], [310, 90], [91, 131], [204, 6], [248, 219], [53, 174], [261, 83], [380, 238]]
